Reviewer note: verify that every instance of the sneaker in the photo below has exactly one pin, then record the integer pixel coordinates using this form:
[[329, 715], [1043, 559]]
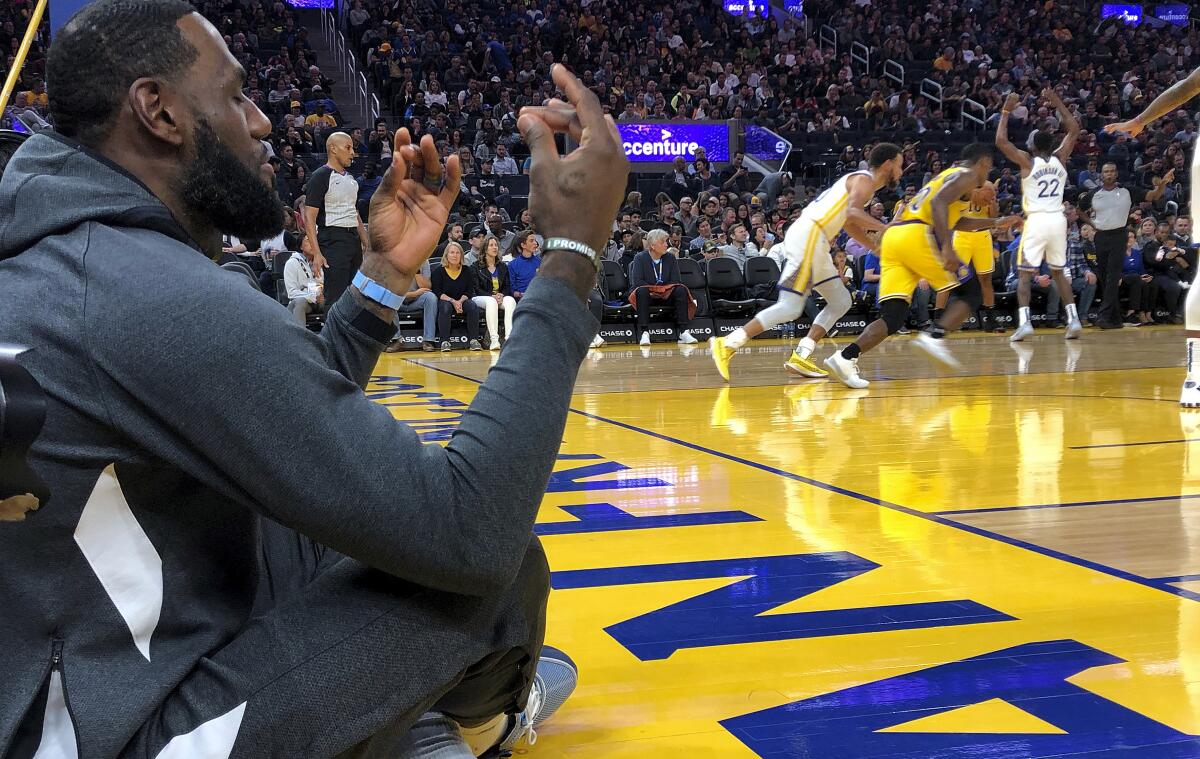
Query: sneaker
[[846, 370], [597, 341], [686, 338], [1024, 331], [804, 367], [1074, 330], [445, 346], [1191, 394], [1175, 319], [722, 354], [476, 345], [645, 339], [394, 346], [428, 347], [904, 330], [936, 349], [553, 683], [494, 344]]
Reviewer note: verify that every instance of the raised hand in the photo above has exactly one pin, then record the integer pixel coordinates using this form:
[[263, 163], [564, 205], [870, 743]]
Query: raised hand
[[574, 196], [1012, 101], [410, 208], [1133, 127]]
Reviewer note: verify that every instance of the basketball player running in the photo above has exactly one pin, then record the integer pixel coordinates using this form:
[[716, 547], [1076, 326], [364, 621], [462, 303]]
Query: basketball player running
[[1175, 96], [810, 267], [920, 245], [1043, 182], [975, 249]]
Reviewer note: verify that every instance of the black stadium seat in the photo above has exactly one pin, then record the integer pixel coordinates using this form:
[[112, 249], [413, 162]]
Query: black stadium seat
[[762, 274], [694, 280], [727, 289], [617, 286]]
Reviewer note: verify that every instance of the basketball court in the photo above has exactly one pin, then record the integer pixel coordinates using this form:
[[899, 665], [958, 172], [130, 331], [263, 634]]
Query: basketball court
[[997, 564]]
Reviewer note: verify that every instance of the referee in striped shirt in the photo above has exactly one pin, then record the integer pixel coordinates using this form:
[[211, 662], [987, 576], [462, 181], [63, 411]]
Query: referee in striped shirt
[[331, 217]]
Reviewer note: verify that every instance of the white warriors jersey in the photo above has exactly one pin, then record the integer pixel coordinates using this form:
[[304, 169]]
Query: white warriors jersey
[[828, 210], [1042, 191]]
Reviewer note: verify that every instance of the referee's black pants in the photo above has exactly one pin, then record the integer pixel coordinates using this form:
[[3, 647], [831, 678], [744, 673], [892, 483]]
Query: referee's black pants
[[1110, 250], [343, 253]]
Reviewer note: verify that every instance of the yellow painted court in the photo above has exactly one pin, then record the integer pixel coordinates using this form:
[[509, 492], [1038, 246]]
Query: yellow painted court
[[1004, 563]]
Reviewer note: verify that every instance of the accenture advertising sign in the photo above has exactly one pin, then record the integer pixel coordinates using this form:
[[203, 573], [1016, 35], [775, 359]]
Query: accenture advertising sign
[[661, 141]]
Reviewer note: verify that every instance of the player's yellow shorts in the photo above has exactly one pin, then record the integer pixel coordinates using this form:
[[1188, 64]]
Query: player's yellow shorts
[[908, 254], [975, 248]]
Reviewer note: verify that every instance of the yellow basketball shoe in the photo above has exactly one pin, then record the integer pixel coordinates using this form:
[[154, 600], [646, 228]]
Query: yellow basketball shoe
[[721, 356], [804, 367]]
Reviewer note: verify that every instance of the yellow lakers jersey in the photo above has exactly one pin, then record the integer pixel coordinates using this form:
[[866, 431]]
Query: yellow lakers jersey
[[976, 211], [921, 210]]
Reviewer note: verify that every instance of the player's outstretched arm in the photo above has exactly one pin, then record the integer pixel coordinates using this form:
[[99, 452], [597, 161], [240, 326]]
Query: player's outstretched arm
[[1011, 151], [1067, 146], [1173, 97]]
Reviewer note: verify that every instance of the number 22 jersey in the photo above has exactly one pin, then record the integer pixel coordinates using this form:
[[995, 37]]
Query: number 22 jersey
[[1042, 191]]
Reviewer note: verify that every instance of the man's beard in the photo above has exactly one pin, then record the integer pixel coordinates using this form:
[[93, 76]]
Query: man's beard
[[218, 191]]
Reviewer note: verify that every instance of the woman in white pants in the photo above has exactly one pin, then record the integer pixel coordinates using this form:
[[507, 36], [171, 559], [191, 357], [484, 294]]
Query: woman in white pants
[[491, 275]]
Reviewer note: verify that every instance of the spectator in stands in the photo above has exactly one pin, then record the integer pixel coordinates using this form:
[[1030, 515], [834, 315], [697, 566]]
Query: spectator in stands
[[1089, 178], [736, 177], [654, 278], [368, 183], [1166, 264], [419, 300], [1081, 268], [455, 288], [676, 183], [331, 218], [318, 119], [525, 263], [1137, 283], [303, 285], [872, 271], [476, 241], [504, 164], [740, 247], [494, 292]]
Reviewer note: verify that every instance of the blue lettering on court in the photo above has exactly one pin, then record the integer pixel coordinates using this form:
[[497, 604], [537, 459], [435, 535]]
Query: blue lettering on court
[[1031, 677], [605, 517], [729, 615]]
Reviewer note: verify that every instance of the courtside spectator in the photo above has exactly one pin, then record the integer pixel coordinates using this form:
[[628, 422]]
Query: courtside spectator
[[654, 278], [454, 285], [419, 300], [1137, 283], [494, 292], [302, 283], [525, 262]]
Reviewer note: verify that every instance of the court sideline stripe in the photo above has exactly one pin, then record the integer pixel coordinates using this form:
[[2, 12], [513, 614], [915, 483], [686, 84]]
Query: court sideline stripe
[[980, 532], [1131, 445], [1035, 507]]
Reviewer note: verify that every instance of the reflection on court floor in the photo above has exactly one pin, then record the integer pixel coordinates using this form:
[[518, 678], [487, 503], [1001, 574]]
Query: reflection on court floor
[[999, 564]]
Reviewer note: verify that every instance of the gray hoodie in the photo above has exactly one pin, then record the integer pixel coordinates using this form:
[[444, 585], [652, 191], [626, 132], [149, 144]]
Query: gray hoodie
[[172, 426]]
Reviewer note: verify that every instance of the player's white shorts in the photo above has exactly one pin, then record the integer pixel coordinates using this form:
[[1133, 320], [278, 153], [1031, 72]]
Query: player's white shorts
[[807, 262], [1044, 236]]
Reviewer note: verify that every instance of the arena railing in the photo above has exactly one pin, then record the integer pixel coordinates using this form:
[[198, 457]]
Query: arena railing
[[974, 112], [931, 90], [860, 53], [828, 36], [894, 71]]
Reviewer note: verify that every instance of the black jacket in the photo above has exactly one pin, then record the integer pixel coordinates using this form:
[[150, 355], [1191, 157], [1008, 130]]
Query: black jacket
[[483, 279]]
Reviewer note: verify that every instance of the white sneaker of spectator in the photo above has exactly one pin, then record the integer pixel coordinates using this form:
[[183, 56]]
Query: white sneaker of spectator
[[645, 338], [597, 341], [686, 338]]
